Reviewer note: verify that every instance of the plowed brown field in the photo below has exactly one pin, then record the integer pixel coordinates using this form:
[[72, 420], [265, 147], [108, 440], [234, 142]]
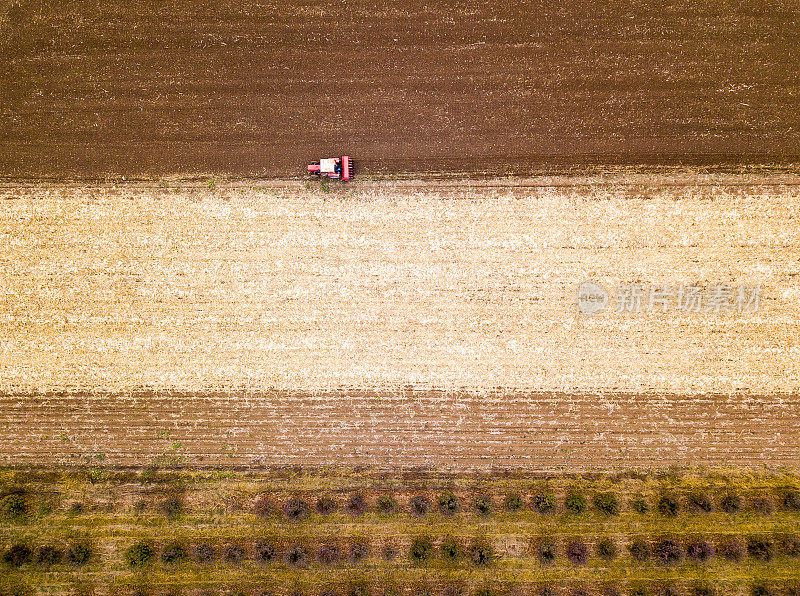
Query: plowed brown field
[[148, 88]]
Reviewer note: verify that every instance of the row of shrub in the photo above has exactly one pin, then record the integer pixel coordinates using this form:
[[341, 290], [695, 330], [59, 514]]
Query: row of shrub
[[574, 502], [640, 588], [20, 553], [15, 506], [672, 551]]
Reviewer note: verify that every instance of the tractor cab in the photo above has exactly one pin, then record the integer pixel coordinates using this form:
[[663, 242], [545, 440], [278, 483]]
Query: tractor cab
[[332, 167]]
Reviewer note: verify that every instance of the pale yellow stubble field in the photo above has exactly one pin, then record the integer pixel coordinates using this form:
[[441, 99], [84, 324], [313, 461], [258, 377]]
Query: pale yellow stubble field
[[263, 285]]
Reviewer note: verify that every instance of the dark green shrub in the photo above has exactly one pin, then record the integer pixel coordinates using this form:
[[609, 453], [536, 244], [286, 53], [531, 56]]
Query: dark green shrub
[[17, 555], [419, 506], [512, 502], [575, 503], [547, 552], [358, 552], [265, 552], [761, 590], [448, 504], [14, 506], [171, 507], [639, 550], [296, 556], [668, 506], [698, 502], [173, 553], [544, 503], [139, 554], [75, 508], [79, 553], [233, 553], [450, 549], [481, 554], [640, 505], [700, 551], [48, 555], [295, 509], [607, 549], [326, 505], [606, 503], [732, 549], [484, 591], [484, 505], [386, 505], [328, 554], [791, 500], [762, 505], [357, 505], [577, 552], [730, 503], [263, 506], [760, 549], [421, 551], [668, 552], [205, 553]]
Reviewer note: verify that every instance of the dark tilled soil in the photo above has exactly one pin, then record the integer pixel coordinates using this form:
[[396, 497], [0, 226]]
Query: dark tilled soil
[[459, 431], [94, 88]]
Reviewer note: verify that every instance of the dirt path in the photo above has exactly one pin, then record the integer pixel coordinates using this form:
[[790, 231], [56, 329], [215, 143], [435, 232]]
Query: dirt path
[[258, 88]]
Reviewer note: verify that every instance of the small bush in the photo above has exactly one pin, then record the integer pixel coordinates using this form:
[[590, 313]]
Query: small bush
[[48, 555], [17, 555], [791, 501], [698, 502], [577, 553], [484, 591], [544, 503], [762, 505], [265, 552], [701, 589], [575, 503], [233, 553], [668, 506], [512, 502], [547, 552], [668, 552], [263, 506], [328, 554], [730, 503], [484, 505], [640, 505], [419, 506], [14, 506], [448, 504], [78, 553], [171, 507], [357, 505], [386, 505], [205, 553], [75, 508], [296, 556], [761, 590], [638, 590], [139, 554], [732, 549], [450, 549], [700, 551], [790, 546], [421, 551], [358, 552], [326, 505], [295, 509], [639, 550], [481, 554], [173, 553], [760, 549], [669, 590], [607, 549], [606, 503]]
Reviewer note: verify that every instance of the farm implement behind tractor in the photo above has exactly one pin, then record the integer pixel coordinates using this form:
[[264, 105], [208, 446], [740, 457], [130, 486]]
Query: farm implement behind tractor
[[332, 167]]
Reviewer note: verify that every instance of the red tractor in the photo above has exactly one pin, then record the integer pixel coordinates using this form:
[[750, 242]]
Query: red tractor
[[332, 167]]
